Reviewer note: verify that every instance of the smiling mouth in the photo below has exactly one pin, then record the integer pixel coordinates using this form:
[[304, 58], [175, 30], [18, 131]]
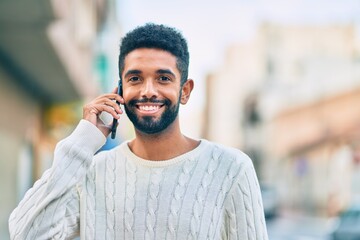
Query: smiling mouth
[[149, 108]]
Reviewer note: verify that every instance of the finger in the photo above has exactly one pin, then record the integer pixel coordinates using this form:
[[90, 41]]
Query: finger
[[112, 96], [98, 108], [114, 105], [118, 97], [115, 90], [106, 95], [108, 100]]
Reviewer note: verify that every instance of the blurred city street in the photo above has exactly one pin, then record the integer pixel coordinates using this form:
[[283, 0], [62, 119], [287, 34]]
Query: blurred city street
[[300, 228]]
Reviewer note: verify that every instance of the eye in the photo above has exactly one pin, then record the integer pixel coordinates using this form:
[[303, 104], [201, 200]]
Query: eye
[[134, 79], [164, 79]]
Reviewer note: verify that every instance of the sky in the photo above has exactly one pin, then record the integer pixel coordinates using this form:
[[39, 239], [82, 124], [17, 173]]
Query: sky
[[211, 25]]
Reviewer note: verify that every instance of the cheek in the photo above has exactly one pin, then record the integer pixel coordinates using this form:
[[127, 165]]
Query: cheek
[[128, 94], [174, 96]]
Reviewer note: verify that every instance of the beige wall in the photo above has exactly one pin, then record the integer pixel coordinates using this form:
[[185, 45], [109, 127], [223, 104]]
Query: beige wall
[[19, 128], [304, 126]]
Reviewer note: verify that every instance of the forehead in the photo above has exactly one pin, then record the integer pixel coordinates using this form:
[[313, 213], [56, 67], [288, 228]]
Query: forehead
[[150, 58]]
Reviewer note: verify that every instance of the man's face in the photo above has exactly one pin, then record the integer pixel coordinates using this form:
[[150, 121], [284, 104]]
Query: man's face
[[151, 89]]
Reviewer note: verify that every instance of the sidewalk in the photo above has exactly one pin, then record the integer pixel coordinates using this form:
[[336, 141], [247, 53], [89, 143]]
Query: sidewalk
[[291, 226]]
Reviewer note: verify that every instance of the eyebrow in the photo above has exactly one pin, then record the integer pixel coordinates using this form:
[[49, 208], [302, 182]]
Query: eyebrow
[[130, 72], [160, 71], [165, 71]]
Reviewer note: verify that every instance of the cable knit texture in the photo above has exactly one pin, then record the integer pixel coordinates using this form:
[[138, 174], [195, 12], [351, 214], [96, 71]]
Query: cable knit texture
[[211, 192]]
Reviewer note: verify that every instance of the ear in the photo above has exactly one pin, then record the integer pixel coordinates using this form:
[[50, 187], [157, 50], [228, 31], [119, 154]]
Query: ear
[[186, 91]]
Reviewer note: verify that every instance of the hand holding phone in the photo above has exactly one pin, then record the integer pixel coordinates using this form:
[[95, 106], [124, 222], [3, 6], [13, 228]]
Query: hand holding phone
[[115, 121]]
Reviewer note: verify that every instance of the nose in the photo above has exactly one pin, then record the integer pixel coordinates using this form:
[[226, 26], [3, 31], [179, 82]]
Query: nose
[[148, 89]]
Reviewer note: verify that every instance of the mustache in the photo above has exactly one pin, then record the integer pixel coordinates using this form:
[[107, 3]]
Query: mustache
[[149, 100]]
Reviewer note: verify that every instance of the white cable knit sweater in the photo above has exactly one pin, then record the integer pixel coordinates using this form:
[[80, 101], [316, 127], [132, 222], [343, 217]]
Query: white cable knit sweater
[[211, 192]]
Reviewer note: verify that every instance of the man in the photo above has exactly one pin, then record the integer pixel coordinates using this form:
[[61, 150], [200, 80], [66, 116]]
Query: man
[[160, 185]]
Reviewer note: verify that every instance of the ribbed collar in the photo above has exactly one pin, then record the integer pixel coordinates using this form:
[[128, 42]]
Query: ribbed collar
[[124, 148]]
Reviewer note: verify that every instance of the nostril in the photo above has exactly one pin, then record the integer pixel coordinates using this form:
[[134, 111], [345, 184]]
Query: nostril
[[149, 92]]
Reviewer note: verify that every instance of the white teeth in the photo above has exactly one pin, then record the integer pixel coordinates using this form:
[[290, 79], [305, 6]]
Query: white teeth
[[148, 108]]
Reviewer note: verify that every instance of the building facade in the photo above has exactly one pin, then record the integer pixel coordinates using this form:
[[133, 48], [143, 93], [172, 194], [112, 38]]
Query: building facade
[[46, 61], [288, 98]]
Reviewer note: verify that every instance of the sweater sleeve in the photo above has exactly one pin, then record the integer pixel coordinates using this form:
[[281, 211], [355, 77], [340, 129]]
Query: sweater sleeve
[[244, 212], [50, 209]]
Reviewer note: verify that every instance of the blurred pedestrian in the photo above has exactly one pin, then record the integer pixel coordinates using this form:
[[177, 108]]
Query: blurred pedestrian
[[159, 185]]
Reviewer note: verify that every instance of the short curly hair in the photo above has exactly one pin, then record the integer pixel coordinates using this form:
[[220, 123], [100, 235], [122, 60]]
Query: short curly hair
[[157, 36]]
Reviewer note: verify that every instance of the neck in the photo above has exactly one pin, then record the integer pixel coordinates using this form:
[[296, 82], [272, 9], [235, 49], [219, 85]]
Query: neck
[[165, 145]]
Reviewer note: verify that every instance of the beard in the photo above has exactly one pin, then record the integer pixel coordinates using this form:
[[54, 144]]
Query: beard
[[148, 124]]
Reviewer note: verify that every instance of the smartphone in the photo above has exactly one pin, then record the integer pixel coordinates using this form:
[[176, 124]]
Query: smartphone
[[115, 121]]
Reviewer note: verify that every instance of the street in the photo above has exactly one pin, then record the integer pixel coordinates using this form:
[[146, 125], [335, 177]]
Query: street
[[300, 228]]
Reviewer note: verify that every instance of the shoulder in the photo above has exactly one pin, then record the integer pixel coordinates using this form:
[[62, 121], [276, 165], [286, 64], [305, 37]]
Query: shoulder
[[102, 156], [231, 164], [229, 155], [103, 164]]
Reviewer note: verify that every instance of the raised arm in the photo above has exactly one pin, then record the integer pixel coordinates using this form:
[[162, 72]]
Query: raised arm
[[50, 209]]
